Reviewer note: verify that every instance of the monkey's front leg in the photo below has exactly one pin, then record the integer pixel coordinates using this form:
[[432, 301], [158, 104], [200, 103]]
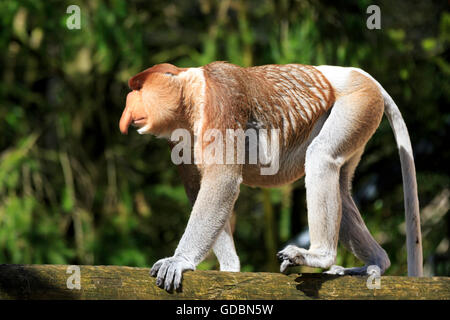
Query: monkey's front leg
[[223, 247], [225, 251], [218, 192]]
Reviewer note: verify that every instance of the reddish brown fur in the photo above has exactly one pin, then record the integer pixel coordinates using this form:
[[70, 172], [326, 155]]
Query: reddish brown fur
[[136, 82], [156, 97], [237, 95], [287, 97]]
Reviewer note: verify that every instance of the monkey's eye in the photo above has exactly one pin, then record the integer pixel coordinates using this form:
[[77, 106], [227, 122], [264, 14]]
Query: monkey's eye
[[169, 74]]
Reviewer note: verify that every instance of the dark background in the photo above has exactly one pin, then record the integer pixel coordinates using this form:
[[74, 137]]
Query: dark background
[[74, 190]]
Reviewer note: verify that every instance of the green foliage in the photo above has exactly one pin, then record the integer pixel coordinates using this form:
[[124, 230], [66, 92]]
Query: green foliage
[[73, 190]]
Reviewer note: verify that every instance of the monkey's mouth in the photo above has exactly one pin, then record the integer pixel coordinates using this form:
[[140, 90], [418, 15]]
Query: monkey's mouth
[[139, 122]]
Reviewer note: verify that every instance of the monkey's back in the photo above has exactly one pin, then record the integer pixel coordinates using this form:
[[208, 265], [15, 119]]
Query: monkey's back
[[287, 97], [294, 96]]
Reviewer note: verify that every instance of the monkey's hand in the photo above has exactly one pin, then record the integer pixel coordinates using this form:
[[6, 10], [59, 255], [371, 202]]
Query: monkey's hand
[[169, 271], [295, 256], [290, 256]]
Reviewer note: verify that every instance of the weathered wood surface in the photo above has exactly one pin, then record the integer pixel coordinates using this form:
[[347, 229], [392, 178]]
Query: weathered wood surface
[[114, 282]]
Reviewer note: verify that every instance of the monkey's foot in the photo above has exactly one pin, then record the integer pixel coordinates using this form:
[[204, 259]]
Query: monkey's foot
[[341, 271], [169, 271]]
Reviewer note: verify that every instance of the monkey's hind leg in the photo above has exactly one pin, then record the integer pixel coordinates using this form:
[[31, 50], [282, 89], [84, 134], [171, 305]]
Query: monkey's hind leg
[[352, 121], [353, 232]]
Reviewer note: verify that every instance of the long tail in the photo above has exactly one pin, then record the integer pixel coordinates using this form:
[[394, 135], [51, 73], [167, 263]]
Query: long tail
[[412, 215]]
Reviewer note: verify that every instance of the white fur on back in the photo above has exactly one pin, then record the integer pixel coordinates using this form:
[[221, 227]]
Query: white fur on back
[[337, 76]]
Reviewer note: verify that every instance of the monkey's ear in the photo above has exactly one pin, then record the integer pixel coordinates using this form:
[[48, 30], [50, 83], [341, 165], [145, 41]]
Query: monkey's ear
[[136, 82]]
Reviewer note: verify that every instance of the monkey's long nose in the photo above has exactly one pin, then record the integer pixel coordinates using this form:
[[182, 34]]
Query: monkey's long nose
[[125, 121], [133, 99]]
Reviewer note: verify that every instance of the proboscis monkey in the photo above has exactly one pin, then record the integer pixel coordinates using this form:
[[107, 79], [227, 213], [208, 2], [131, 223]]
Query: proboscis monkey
[[326, 115]]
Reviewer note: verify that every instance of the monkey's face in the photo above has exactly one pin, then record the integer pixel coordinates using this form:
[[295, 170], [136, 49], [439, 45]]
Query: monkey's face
[[155, 107]]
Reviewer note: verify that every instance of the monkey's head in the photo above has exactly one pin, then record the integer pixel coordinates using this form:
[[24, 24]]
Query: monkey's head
[[155, 104]]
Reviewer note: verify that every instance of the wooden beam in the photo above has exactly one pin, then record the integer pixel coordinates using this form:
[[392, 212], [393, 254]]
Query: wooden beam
[[115, 282]]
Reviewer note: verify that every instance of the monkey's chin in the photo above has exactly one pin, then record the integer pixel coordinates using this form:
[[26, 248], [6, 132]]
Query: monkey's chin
[[145, 129]]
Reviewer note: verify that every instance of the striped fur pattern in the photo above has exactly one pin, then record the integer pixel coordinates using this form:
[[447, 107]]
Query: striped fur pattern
[[287, 97]]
